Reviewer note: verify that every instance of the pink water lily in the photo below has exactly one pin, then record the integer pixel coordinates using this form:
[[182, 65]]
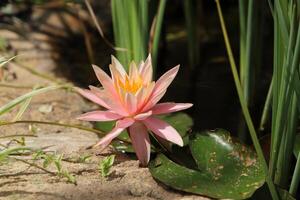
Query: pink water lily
[[132, 99]]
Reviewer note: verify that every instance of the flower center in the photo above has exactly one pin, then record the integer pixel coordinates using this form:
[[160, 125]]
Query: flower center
[[131, 85]]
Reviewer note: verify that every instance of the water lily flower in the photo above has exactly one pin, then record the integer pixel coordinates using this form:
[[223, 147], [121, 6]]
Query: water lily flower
[[132, 99]]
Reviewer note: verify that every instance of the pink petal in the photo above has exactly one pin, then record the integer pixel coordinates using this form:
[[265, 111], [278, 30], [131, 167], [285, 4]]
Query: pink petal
[[163, 130], [161, 87], [141, 142], [120, 126], [133, 71], [118, 66], [99, 116], [165, 80], [146, 70], [92, 97], [143, 116], [144, 94], [131, 103], [115, 74], [163, 108], [153, 100], [113, 103], [105, 80]]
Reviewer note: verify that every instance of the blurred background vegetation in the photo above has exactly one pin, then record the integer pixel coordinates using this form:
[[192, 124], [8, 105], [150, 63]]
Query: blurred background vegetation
[[189, 35]]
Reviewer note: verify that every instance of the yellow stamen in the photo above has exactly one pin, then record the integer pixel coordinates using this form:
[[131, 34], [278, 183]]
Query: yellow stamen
[[132, 85]]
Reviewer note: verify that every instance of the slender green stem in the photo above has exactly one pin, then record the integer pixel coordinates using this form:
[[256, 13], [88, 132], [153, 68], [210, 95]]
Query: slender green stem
[[244, 106], [190, 12], [6, 85], [53, 123], [157, 31], [59, 124], [35, 165], [243, 34], [248, 68], [296, 178], [267, 106]]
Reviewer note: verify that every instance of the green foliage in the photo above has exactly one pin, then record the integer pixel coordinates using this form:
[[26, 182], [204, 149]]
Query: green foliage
[[190, 12], [132, 31], [225, 169], [296, 149], [56, 160], [84, 158], [105, 165], [130, 26], [286, 89], [250, 17], [158, 20]]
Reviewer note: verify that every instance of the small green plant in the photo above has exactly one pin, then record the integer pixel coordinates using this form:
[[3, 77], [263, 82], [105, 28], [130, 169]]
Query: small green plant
[[105, 165], [83, 158], [55, 159]]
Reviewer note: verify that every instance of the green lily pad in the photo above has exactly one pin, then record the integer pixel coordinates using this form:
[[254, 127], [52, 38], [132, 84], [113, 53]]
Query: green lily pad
[[225, 169]]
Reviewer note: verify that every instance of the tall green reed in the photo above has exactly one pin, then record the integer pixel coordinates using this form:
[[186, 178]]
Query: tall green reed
[[132, 31], [190, 12], [284, 109], [158, 20], [250, 19], [283, 90]]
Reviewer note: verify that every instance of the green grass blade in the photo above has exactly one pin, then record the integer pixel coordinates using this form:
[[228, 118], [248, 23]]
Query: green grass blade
[[243, 34], [296, 178], [190, 12], [10, 105], [130, 27], [267, 107], [284, 97], [22, 109], [4, 61], [157, 32]]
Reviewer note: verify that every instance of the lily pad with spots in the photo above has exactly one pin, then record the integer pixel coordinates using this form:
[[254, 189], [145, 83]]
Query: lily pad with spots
[[226, 169]]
